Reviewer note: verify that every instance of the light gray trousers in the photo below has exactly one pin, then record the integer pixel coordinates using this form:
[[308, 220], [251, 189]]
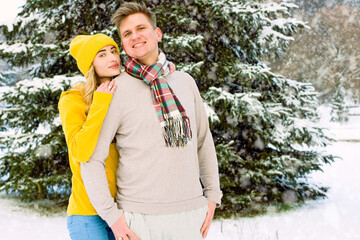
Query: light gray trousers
[[177, 226]]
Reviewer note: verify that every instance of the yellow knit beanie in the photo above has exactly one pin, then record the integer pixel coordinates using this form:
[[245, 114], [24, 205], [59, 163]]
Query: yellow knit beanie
[[85, 47]]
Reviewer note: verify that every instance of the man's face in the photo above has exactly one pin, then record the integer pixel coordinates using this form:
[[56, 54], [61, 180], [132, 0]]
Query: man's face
[[140, 39]]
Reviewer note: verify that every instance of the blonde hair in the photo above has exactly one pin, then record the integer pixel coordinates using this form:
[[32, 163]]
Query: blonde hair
[[90, 87], [129, 8]]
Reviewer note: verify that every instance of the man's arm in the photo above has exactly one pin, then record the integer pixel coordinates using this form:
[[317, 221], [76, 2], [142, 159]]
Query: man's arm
[[93, 172], [208, 165]]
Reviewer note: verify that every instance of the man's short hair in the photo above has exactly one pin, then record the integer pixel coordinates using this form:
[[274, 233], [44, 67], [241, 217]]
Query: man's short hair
[[129, 8]]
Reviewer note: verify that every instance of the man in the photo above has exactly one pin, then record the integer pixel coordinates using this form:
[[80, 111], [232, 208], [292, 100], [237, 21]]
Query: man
[[167, 177]]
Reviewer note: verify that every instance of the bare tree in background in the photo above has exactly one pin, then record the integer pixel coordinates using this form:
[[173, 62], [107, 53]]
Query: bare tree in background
[[327, 55]]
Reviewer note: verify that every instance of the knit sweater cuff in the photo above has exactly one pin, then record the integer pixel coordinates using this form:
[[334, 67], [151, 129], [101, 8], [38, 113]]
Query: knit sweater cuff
[[102, 98], [214, 196], [113, 215]]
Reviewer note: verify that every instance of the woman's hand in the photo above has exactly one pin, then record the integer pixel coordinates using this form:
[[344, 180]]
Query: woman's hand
[[122, 231], [107, 87], [209, 216]]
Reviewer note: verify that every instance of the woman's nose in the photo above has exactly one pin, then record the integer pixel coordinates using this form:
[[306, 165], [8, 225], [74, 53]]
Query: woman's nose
[[113, 56]]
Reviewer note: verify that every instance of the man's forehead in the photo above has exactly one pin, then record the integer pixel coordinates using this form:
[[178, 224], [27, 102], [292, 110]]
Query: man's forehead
[[133, 20], [126, 28]]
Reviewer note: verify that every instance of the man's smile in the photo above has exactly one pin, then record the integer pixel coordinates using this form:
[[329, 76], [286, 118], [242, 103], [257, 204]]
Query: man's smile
[[138, 44]]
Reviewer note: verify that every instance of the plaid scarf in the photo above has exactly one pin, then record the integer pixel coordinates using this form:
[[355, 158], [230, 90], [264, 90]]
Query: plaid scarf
[[172, 116]]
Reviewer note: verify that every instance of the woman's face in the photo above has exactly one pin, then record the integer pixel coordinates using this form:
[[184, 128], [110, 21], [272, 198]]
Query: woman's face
[[107, 63]]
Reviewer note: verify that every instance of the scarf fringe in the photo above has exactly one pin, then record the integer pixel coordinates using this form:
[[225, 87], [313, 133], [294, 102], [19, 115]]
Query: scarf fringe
[[177, 131]]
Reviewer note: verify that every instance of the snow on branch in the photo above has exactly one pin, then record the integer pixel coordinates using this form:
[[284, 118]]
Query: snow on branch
[[24, 47], [38, 84], [271, 20], [253, 71], [213, 117], [235, 102], [188, 41], [190, 67]]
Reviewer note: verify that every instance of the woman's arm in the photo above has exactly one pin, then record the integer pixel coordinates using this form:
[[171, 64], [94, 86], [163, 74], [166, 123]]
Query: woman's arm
[[81, 131]]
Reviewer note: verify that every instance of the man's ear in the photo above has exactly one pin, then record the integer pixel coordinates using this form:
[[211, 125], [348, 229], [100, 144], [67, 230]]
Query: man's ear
[[158, 34]]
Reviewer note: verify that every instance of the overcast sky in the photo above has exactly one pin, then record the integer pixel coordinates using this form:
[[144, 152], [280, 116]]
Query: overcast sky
[[9, 9]]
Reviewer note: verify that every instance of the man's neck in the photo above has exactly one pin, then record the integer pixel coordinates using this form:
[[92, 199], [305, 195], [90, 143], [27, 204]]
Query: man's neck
[[149, 62]]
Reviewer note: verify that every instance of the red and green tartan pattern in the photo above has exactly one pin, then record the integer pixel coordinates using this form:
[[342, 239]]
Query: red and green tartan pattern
[[171, 114]]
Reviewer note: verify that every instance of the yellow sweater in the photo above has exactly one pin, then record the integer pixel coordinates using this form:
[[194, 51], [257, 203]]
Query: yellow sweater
[[81, 133]]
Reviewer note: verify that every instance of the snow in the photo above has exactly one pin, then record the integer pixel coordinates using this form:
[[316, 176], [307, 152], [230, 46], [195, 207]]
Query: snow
[[269, 33], [186, 40], [4, 89], [9, 10], [19, 223], [56, 83], [211, 113], [336, 217], [21, 47]]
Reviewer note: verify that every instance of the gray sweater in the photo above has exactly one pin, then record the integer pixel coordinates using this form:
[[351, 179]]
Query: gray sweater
[[152, 178]]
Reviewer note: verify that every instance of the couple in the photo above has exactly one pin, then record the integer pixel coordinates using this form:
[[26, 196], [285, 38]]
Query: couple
[[140, 149]]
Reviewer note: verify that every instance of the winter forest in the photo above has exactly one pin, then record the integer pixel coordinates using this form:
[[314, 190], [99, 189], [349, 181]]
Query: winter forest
[[281, 85]]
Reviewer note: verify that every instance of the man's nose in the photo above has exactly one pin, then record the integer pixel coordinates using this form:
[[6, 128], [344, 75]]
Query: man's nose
[[134, 35]]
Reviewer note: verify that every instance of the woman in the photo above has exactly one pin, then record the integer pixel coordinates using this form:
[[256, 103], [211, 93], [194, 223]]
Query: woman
[[82, 111]]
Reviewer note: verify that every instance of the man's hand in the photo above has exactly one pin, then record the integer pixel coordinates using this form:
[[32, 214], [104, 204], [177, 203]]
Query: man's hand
[[209, 216], [122, 231]]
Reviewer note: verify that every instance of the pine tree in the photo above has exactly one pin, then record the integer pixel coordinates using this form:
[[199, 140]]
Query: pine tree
[[8, 77], [261, 122], [35, 164], [339, 111]]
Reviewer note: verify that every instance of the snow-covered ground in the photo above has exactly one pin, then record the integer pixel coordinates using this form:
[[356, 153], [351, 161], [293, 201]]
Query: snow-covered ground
[[334, 218], [19, 223]]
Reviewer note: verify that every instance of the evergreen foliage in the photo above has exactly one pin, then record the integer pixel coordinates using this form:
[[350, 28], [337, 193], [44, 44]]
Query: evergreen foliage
[[8, 78], [263, 124], [35, 165], [339, 111]]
